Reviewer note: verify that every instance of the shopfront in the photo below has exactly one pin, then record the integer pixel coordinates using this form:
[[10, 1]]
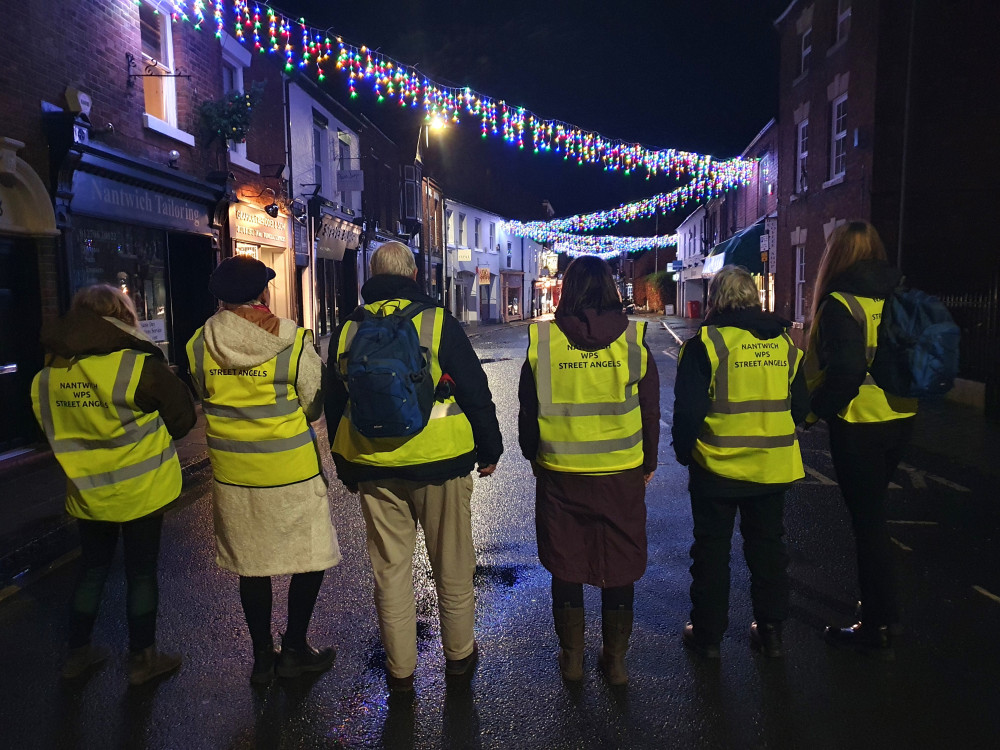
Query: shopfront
[[255, 233], [511, 303], [149, 233]]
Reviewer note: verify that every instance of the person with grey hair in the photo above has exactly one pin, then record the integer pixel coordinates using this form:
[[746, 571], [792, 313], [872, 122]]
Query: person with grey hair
[[421, 478], [739, 393]]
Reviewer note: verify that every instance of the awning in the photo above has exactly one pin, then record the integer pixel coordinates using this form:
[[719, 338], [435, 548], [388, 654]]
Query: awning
[[742, 249]]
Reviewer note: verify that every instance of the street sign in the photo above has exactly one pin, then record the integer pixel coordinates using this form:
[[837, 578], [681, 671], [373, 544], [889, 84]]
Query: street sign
[[677, 265]]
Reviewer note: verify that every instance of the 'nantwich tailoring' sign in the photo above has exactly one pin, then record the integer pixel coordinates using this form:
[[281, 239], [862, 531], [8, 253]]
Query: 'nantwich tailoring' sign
[[110, 199], [334, 236], [250, 224]]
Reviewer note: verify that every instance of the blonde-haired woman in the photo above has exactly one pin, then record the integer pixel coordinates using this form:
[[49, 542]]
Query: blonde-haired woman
[[110, 407], [738, 395], [868, 427]]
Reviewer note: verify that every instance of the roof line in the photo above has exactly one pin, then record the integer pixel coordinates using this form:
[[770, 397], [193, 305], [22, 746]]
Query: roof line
[[757, 137]]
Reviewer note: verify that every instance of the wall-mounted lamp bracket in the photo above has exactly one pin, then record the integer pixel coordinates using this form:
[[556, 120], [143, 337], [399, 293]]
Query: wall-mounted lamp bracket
[[131, 64]]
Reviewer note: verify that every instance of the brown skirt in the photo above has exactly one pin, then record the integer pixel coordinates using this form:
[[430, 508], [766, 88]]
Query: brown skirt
[[592, 528]]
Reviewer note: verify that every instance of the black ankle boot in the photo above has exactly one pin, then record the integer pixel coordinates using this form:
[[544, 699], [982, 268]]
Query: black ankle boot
[[765, 638], [264, 659], [298, 658], [872, 640]]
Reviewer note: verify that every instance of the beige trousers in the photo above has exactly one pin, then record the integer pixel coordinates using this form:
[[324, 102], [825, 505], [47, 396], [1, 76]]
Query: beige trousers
[[392, 509]]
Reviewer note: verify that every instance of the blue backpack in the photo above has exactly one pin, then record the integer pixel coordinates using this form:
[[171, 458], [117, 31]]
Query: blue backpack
[[917, 352], [388, 374]]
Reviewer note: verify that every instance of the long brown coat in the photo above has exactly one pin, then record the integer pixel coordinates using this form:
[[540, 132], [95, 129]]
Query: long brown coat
[[592, 528]]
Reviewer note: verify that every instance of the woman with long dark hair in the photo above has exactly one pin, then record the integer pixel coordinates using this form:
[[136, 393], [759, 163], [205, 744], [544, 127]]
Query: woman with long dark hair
[[589, 424], [868, 427]]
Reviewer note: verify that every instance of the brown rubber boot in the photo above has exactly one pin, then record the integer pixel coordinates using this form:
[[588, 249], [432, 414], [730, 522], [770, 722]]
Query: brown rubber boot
[[569, 628], [149, 663], [616, 626]]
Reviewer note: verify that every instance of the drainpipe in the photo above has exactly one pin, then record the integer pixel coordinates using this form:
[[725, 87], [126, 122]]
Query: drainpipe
[[906, 135]]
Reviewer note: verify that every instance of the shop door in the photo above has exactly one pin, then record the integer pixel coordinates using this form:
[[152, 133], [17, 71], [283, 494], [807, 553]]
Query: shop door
[[484, 303], [190, 261], [20, 350]]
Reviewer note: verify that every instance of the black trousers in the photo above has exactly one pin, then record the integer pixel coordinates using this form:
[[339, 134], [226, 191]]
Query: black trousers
[[98, 540], [255, 596], [865, 456], [763, 530]]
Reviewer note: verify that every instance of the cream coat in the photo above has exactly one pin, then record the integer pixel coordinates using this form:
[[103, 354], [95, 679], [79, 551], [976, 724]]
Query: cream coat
[[265, 531]]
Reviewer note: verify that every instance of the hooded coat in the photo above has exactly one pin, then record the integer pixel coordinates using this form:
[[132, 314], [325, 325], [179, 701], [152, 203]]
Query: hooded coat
[[592, 528], [83, 333], [265, 531]]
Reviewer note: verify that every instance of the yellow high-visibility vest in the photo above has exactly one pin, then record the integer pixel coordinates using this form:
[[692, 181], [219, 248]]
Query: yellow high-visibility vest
[[120, 462], [749, 434], [589, 421], [447, 434], [256, 431], [872, 404]]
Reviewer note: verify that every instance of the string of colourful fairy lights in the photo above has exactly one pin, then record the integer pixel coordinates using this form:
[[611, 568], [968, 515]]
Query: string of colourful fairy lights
[[305, 47]]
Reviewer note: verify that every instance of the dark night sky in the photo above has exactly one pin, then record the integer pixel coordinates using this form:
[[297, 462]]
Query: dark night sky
[[697, 75]]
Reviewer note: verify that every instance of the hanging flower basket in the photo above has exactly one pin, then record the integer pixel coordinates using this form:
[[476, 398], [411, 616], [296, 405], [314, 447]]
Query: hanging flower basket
[[229, 118]]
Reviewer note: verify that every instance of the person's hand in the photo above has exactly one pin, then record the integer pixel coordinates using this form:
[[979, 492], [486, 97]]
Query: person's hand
[[485, 471], [648, 476], [534, 469]]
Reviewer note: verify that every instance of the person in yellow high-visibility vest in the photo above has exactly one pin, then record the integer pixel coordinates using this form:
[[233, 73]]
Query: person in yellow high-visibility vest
[[868, 427], [260, 381], [110, 408], [424, 477], [739, 392], [589, 423]]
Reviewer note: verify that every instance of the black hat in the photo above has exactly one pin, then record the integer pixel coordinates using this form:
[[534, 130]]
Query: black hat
[[239, 279]]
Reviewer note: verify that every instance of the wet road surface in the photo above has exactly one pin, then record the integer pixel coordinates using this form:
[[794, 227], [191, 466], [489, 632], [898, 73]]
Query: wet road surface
[[940, 692]]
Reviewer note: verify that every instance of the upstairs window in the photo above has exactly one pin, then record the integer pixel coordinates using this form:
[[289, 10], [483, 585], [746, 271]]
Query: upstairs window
[[493, 235], [461, 230], [800, 282], [320, 125], [159, 91], [802, 148], [838, 137], [843, 19], [476, 227], [805, 50], [447, 225], [235, 61]]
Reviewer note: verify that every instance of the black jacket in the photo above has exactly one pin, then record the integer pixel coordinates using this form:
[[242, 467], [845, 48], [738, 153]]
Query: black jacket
[[81, 333], [692, 402], [840, 341], [458, 360]]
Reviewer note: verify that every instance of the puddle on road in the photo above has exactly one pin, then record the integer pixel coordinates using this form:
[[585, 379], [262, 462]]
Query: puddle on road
[[503, 575]]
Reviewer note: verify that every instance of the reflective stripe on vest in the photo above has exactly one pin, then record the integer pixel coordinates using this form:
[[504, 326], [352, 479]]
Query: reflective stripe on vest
[[447, 434], [872, 404], [256, 432], [589, 420], [120, 461], [748, 433]]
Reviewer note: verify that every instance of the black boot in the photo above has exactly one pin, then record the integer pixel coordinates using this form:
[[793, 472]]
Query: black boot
[[871, 640], [298, 658], [765, 638], [264, 659], [569, 628]]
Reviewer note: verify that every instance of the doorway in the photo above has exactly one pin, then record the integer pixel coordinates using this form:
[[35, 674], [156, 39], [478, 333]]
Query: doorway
[[190, 261], [20, 350]]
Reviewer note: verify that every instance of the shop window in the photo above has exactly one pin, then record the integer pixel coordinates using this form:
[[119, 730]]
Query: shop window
[[128, 257]]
